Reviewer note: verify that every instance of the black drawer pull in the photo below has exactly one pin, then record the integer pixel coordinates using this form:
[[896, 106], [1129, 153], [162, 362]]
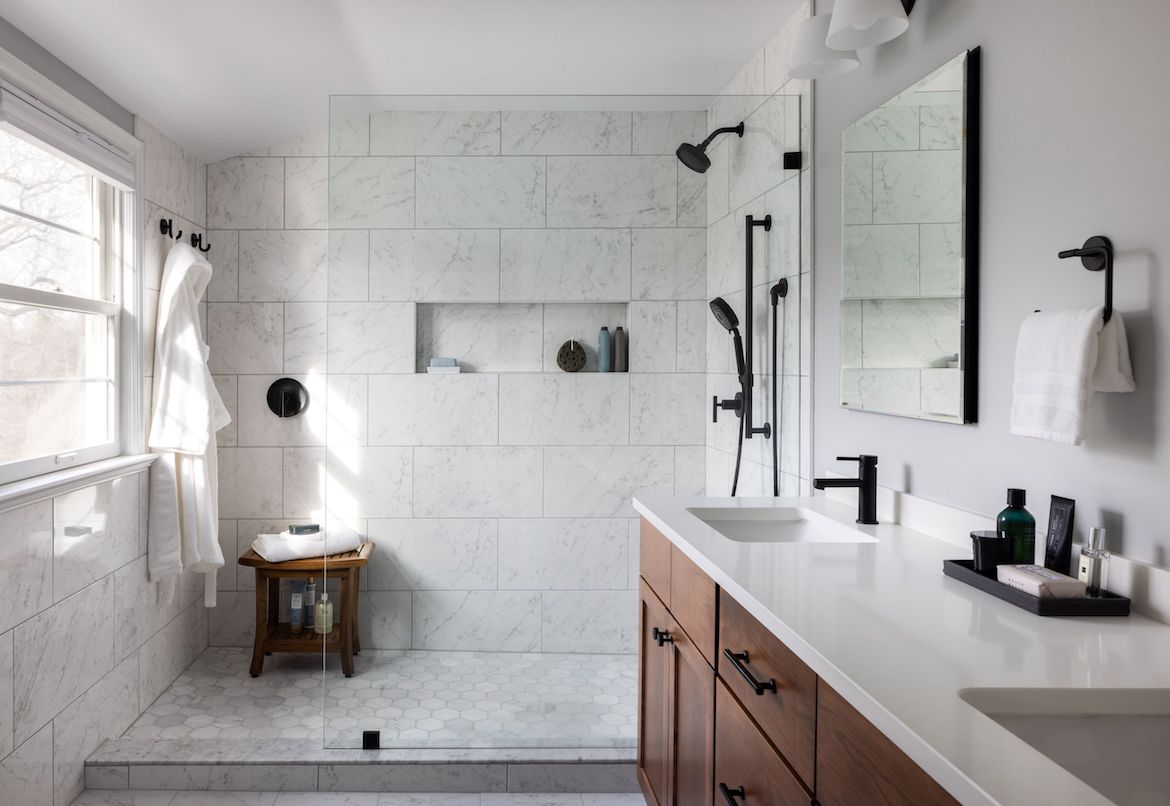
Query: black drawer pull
[[730, 795], [738, 659], [661, 636]]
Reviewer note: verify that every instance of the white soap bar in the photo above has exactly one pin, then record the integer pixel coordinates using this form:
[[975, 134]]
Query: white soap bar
[[1040, 581]]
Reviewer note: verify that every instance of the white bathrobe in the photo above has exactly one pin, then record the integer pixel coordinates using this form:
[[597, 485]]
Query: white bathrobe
[[186, 413]]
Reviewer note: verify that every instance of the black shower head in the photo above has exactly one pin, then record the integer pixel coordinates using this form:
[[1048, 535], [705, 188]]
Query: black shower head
[[695, 156], [724, 315]]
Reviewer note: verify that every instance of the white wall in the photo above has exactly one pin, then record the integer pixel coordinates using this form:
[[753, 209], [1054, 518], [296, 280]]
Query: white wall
[[1074, 144]]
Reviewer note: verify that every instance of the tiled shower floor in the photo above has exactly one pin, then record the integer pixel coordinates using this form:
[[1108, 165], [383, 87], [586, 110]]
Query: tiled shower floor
[[417, 699]]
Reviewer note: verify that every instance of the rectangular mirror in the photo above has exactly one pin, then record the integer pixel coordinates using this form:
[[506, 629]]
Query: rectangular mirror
[[909, 247]]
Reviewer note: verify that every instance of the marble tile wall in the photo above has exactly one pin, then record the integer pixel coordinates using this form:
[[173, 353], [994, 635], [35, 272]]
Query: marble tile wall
[[747, 177], [499, 498]]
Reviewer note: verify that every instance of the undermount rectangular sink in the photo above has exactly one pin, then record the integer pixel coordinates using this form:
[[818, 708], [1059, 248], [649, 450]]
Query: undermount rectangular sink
[[1115, 740], [777, 525]]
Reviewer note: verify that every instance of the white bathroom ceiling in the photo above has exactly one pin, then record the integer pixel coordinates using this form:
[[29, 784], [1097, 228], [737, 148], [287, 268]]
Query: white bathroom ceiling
[[227, 76]]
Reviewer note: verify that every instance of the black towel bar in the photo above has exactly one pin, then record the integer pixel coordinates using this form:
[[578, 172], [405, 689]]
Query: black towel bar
[[1095, 255]]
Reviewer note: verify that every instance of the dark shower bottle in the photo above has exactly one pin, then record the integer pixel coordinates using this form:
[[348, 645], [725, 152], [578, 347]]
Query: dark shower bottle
[[1017, 525]]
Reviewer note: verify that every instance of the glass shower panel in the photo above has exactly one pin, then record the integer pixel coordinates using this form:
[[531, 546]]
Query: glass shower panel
[[476, 248]]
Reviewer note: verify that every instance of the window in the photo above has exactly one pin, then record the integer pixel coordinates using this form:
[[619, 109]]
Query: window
[[64, 240]]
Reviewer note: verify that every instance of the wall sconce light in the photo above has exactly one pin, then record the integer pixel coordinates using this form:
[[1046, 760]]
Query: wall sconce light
[[861, 24], [812, 58]]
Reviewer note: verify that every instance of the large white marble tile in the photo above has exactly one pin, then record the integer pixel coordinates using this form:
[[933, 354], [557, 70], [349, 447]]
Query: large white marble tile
[[725, 253], [942, 392], [7, 710], [227, 576], [169, 651], [373, 482], [59, 653], [778, 52], [26, 775], [245, 193], [783, 203], [414, 777], [313, 144], [232, 622], [941, 126], [305, 336], [587, 481], [567, 409], [589, 621], [691, 337], [283, 265], [435, 265], [594, 778], [581, 322], [663, 132], [692, 199], [668, 409], [429, 134], [169, 172], [95, 531], [880, 260], [942, 259], [349, 265], [384, 619], [430, 554], [423, 409], [371, 337], [269, 777], [612, 192], [501, 621], [857, 189], [428, 799], [924, 187], [577, 133], [888, 128], [259, 426], [896, 391], [304, 483], [224, 258], [140, 609], [306, 193], [103, 712], [347, 403], [690, 470], [250, 482], [790, 425], [560, 265], [155, 245], [203, 798], [245, 337], [718, 181], [483, 338], [851, 333], [371, 192], [653, 336], [910, 333], [349, 131], [564, 554], [26, 562], [669, 264], [491, 482], [481, 192], [757, 158], [113, 776]]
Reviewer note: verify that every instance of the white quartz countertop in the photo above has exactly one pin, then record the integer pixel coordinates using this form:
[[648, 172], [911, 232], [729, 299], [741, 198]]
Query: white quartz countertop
[[882, 625]]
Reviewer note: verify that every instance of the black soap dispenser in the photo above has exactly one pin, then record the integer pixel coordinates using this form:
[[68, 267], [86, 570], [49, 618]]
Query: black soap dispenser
[[1017, 525]]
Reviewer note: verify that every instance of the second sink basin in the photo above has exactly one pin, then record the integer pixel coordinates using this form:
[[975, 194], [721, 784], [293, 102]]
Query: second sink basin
[[777, 525]]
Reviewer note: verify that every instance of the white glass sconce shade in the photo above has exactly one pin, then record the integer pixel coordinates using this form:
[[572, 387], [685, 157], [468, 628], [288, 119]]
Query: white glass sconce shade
[[812, 58], [865, 23]]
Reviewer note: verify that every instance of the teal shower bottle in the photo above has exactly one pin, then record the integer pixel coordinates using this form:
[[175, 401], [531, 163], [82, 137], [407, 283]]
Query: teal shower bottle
[[1017, 525], [604, 351]]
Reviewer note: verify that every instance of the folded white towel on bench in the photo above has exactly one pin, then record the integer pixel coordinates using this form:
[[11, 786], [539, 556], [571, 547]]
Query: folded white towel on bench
[[285, 546]]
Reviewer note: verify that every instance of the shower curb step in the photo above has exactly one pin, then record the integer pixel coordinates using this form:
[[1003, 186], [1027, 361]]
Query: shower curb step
[[288, 765]]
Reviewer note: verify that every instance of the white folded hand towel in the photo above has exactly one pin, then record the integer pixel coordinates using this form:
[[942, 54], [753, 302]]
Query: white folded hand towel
[[285, 546], [1061, 357]]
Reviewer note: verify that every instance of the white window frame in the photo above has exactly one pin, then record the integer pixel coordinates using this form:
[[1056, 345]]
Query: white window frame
[[128, 453]]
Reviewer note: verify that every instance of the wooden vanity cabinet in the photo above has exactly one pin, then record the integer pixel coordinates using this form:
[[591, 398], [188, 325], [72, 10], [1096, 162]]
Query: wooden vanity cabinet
[[722, 701]]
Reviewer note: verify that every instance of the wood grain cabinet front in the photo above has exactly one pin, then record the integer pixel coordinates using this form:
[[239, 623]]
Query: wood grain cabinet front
[[748, 772]]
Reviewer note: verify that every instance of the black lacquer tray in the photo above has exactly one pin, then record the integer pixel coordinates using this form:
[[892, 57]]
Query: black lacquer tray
[[1108, 604]]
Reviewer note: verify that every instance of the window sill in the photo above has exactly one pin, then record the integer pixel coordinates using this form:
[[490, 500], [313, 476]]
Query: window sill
[[38, 488]]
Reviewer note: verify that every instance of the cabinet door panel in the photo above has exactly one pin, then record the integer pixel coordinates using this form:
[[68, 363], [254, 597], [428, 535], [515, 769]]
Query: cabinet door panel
[[654, 701], [694, 723], [692, 596], [743, 758], [654, 560]]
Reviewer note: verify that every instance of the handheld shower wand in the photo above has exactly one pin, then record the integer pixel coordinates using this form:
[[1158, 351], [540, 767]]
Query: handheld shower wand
[[730, 322]]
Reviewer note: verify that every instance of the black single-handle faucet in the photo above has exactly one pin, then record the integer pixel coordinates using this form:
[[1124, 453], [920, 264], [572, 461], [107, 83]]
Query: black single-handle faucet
[[866, 484]]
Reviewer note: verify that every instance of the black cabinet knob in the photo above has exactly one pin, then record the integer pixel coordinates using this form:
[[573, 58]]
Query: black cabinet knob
[[661, 636]]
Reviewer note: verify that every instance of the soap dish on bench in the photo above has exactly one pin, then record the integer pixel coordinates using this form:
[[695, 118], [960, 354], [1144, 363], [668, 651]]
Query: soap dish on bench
[[1107, 604]]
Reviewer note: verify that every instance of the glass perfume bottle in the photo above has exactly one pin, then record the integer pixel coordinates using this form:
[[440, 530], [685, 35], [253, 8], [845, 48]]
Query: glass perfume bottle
[[323, 618], [1017, 524], [1094, 564]]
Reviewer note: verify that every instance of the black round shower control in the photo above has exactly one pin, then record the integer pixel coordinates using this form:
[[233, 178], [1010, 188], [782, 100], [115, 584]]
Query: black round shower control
[[287, 397]]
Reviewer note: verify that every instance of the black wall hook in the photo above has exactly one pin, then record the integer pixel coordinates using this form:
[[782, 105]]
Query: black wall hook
[[1095, 255], [167, 228], [197, 243]]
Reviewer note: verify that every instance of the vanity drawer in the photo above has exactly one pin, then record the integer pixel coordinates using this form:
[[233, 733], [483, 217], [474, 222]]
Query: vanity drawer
[[785, 701], [692, 602], [654, 560], [743, 758]]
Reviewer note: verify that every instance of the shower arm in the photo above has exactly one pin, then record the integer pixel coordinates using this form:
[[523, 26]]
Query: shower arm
[[750, 224], [725, 130]]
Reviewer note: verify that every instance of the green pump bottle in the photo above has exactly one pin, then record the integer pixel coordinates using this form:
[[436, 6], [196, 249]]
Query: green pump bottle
[[1017, 524]]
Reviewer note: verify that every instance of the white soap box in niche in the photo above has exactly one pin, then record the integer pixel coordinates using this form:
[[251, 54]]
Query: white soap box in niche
[[1040, 581]]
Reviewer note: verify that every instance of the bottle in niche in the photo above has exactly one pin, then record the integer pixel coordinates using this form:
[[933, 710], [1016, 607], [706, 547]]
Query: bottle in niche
[[296, 605], [1017, 524], [1094, 564], [604, 351], [621, 350], [310, 603], [323, 619]]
